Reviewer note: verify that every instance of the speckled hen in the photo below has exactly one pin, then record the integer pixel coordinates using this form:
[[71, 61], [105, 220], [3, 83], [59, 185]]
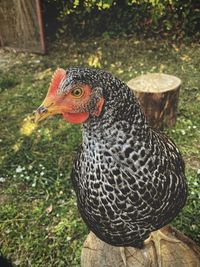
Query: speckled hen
[[129, 179]]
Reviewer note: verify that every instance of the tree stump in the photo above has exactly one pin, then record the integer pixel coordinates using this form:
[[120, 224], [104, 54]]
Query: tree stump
[[158, 95], [165, 248]]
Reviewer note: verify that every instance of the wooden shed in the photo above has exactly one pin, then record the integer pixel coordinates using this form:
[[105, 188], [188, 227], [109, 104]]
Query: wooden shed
[[21, 25]]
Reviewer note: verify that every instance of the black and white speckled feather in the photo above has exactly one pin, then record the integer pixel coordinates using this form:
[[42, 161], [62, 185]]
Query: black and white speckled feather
[[129, 179]]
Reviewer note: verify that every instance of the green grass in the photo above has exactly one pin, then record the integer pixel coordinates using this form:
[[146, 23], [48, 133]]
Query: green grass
[[39, 221]]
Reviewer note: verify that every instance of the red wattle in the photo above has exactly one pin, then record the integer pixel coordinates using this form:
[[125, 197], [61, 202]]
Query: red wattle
[[76, 117]]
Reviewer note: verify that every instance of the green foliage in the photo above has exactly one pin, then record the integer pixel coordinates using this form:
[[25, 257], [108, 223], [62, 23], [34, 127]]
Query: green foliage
[[187, 222], [170, 18], [39, 221]]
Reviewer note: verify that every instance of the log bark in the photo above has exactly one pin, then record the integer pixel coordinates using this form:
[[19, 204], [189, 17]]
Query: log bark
[[158, 96], [165, 248]]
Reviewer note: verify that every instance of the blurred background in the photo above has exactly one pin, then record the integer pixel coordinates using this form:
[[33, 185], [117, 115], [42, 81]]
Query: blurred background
[[23, 23]]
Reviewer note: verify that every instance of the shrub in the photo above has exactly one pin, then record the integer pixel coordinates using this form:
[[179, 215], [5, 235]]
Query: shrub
[[170, 18]]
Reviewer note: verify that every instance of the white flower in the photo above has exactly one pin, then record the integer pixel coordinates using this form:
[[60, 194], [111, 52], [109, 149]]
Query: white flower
[[30, 167], [198, 171], [2, 179], [19, 169], [42, 173]]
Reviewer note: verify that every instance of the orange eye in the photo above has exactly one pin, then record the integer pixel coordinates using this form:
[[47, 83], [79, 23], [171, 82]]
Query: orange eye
[[77, 92]]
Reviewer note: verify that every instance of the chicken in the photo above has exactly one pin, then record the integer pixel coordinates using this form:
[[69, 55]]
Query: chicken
[[128, 178]]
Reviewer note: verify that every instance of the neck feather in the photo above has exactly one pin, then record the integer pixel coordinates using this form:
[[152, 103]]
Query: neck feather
[[121, 112]]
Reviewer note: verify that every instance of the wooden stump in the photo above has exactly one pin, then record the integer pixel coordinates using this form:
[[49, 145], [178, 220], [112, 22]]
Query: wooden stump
[[158, 95], [165, 248]]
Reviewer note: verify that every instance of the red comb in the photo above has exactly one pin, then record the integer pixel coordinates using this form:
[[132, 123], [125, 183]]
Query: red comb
[[56, 79]]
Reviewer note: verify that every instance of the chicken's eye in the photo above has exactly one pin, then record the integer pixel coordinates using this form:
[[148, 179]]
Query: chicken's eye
[[77, 92]]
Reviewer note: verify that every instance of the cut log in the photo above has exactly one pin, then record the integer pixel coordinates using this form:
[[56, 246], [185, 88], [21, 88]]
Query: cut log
[[158, 96], [165, 248]]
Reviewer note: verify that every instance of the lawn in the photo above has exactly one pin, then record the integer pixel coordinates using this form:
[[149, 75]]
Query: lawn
[[39, 221]]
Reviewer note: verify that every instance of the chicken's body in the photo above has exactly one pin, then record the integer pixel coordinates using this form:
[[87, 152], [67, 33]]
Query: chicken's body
[[129, 179]]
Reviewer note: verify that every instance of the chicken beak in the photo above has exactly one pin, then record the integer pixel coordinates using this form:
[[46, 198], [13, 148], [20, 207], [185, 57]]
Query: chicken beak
[[41, 113], [46, 110]]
